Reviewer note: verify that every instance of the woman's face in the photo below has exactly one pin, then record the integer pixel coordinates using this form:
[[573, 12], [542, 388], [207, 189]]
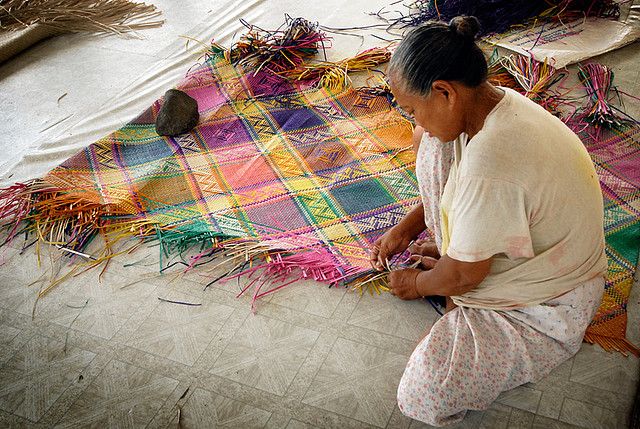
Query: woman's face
[[438, 113]]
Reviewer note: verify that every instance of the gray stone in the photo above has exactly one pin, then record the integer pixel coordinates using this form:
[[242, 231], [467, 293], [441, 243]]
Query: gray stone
[[178, 114]]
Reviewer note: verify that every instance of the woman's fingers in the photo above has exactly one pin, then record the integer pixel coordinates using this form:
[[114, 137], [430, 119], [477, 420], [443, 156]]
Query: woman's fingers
[[428, 263], [373, 256], [382, 258], [385, 248], [375, 252], [414, 249], [424, 248]]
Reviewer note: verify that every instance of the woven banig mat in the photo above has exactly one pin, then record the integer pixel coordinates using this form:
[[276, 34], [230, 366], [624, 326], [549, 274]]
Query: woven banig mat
[[297, 180], [305, 177], [616, 155]]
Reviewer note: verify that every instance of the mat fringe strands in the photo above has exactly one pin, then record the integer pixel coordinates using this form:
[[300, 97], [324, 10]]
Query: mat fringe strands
[[77, 16], [494, 16], [600, 110], [335, 76], [564, 10]]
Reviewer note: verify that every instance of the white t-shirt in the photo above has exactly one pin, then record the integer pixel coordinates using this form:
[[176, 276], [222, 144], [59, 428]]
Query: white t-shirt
[[523, 190]]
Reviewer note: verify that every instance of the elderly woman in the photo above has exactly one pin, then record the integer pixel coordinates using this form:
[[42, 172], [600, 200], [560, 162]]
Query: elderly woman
[[519, 246]]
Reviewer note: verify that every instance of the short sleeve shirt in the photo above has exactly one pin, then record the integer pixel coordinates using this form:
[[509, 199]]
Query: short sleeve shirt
[[524, 192]]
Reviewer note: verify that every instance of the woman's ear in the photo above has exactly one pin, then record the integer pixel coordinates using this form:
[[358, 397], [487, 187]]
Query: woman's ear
[[445, 90]]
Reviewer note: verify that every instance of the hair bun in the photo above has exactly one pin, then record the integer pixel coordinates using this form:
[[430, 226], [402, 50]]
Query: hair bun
[[465, 26]]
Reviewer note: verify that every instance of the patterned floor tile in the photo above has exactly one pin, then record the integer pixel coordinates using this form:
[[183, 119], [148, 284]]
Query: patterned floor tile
[[11, 421], [109, 302], [562, 384], [496, 417], [123, 396], [8, 317], [278, 420], [541, 422], [265, 353], [320, 418], [206, 409], [11, 339], [390, 315], [35, 377], [521, 419], [398, 420], [358, 381], [19, 290], [9, 251], [587, 415], [310, 297], [522, 397], [297, 424], [633, 309], [595, 367], [551, 403], [99, 308], [179, 332], [7, 334], [594, 396]]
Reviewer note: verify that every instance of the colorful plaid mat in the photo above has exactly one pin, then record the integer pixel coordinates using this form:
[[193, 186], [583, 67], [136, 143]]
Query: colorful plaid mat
[[289, 165], [616, 155]]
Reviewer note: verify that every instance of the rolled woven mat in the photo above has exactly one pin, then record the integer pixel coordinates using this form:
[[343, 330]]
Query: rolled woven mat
[[24, 23], [14, 42]]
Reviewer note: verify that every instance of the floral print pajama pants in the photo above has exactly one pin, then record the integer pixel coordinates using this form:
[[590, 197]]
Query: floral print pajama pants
[[472, 355]]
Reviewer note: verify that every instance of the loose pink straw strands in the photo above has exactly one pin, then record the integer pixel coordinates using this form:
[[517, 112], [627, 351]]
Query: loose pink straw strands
[[280, 261], [598, 82], [13, 206]]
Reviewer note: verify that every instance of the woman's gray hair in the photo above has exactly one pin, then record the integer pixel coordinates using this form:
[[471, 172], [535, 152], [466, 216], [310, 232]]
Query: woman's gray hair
[[437, 51]]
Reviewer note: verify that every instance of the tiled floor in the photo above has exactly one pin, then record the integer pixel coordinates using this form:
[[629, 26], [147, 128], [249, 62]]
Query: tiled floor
[[109, 353], [106, 352]]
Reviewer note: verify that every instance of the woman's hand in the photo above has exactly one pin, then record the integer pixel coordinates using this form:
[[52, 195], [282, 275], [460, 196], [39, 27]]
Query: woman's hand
[[426, 252], [426, 262], [425, 248], [393, 241], [403, 283]]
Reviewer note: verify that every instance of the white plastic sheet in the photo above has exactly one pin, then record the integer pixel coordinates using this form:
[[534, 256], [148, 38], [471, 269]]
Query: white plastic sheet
[[567, 43]]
